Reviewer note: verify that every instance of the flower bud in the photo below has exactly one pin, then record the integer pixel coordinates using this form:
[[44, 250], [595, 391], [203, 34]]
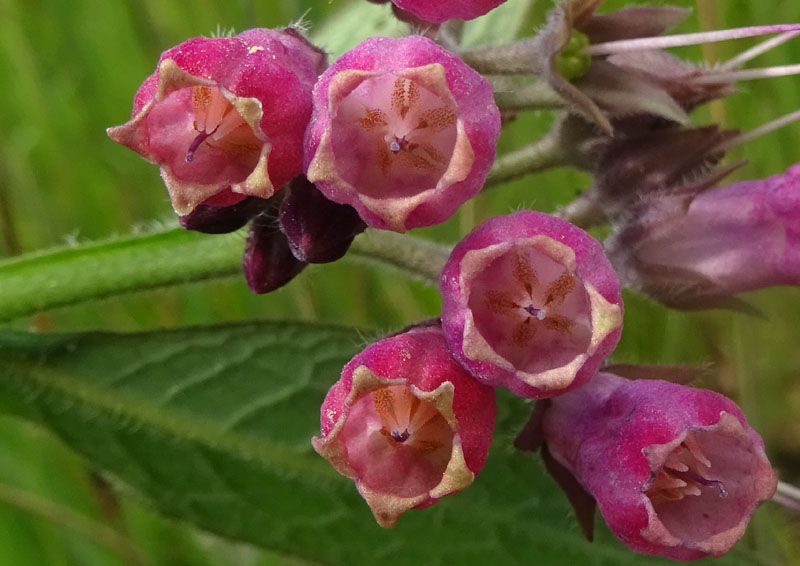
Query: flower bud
[[403, 131], [531, 303], [268, 261], [226, 113], [406, 423], [438, 11], [699, 251], [222, 216], [318, 230], [675, 471]]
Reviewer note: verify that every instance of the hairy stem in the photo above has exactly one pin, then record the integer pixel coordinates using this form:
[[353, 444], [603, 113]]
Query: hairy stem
[[70, 276], [534, 96], [417, 258], [519, 57], [543, 154]]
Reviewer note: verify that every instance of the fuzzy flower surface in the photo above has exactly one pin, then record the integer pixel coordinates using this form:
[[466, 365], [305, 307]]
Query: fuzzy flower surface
[[695, 251], [676, 471], [224, 117], [438, 11], [530, 302], [403, 131], [406, 423]]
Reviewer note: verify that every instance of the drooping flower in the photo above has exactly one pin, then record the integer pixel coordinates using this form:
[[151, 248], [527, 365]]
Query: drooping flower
[[403, 131], [675, 471], [699, 250], [215, 216], [406, 423], [531, 303], [318, 230], [438, 11], [224, 117], [268, 262]]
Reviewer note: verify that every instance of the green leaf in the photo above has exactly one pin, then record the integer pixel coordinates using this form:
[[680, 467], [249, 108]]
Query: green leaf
[[213, 426]]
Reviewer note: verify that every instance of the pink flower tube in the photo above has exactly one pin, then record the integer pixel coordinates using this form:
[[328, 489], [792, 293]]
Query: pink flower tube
[[406, 423], [676, 471], [531, 303], [722, 242], [403, 131], [438, 11], [224, 117]]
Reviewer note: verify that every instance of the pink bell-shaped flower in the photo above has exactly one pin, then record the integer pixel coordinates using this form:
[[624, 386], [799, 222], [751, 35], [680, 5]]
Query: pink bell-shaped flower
[[403, 131], [675, 471], [225, 117], [531, 303], [699, 251], [406, 423]]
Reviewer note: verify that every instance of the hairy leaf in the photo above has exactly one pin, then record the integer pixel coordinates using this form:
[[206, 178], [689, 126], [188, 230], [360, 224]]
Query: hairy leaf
[[213, 426]]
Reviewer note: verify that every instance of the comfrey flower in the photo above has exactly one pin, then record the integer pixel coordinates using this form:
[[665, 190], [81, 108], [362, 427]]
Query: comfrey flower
[[699, 250], [438, 11], [531, 303], [406, 423], [225, 117], [403, 131], [675, 471]]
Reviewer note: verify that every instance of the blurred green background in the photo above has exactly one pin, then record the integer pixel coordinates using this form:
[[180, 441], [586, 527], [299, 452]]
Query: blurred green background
[[70, 70]]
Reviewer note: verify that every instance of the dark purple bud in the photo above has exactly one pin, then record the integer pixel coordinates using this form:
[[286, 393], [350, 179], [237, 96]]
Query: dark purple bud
[[318, 230], [211, 219], [268, 261]]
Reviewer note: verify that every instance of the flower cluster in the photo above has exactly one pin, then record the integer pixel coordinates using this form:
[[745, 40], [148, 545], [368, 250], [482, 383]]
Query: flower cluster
[[396, 134]]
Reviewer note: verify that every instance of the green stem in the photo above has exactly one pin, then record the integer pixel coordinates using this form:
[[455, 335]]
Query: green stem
[[537, 95], [71, 276], [68, 276], [418, 258], [543, 154]]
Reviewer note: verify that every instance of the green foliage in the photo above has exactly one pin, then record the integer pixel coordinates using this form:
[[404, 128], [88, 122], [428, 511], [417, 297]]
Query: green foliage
[[70, 70], [213, 425]]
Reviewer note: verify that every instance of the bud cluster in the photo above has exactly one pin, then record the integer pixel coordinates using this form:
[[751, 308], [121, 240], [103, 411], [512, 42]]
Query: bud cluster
[[396, 134]]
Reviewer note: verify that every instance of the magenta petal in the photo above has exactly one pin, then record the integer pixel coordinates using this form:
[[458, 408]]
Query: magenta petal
[[438, 11], [406, 423], [225, 114], [676, 471], [530, 303], [727, 240], [403, 131]]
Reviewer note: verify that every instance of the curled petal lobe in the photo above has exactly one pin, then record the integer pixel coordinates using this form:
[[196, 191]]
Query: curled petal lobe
[[403, 131], [406, 423], [676, 471], [530, 303]]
